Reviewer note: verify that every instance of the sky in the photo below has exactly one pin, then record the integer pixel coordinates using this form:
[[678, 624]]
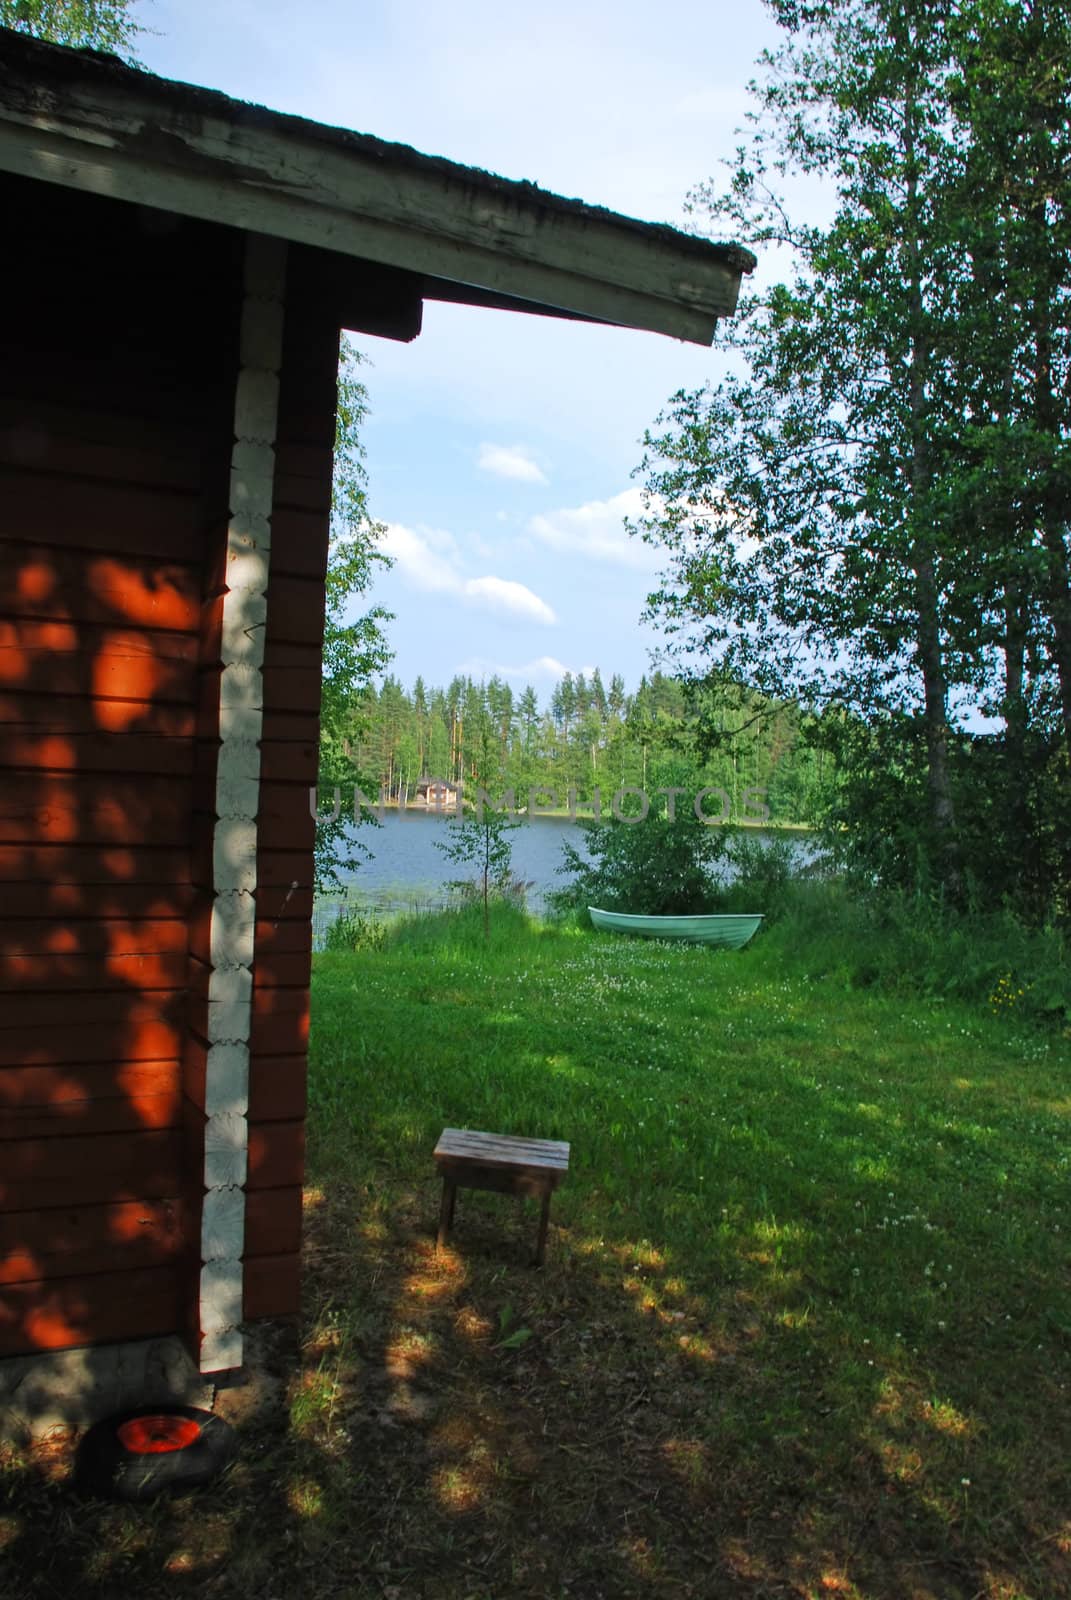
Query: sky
[[501, 447]]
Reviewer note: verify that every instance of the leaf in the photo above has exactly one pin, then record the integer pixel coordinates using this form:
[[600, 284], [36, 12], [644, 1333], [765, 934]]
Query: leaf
[[518, 1337]]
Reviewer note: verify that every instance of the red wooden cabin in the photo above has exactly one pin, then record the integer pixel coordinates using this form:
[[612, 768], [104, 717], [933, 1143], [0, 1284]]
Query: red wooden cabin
[[176, 271]]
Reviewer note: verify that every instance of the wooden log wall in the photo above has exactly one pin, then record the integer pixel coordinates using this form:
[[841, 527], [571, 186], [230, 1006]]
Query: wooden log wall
[[286, 830], [118, 339], [119, 355]]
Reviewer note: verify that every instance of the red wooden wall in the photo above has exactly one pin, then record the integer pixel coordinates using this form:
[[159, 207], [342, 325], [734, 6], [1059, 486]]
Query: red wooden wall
[[119, 349], [117, 369], [118, 359], [286, 830]]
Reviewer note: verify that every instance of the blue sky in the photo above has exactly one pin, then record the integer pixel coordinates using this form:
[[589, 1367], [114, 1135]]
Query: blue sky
[[501, 447]]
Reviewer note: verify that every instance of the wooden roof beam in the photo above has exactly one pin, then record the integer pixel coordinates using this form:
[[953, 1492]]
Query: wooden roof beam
[[86, 121]]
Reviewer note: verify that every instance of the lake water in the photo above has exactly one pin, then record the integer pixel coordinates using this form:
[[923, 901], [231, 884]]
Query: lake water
[[407, 873]]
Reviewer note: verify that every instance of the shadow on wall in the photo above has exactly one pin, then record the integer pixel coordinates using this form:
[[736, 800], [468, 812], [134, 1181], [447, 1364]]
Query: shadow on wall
[[114, 450]]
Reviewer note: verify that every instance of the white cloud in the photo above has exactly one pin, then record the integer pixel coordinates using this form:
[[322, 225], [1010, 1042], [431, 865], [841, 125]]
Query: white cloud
[[428, 558], [502, 594], [478, 546], [596, 530], [509, 461], [545, 667], [415, 556]]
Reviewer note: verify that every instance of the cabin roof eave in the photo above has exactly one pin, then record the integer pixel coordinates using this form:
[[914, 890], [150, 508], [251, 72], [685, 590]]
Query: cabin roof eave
[[87, 121]]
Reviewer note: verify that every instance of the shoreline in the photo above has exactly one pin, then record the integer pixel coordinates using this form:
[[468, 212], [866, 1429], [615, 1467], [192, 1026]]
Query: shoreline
[[583, 813]]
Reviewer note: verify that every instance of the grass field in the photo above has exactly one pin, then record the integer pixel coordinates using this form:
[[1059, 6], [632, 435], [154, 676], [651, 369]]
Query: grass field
[[804, 1327]]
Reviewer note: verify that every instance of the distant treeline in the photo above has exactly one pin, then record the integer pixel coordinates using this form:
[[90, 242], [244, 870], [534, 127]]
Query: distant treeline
[[589, 735]]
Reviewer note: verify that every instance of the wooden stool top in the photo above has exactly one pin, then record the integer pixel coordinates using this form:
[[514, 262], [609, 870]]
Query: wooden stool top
[[544, 1159]]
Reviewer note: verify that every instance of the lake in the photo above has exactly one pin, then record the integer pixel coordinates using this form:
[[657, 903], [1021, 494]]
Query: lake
[[407, 873]]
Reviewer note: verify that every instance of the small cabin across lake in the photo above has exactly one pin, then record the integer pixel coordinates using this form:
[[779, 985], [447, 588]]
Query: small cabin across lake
[[437, 794]]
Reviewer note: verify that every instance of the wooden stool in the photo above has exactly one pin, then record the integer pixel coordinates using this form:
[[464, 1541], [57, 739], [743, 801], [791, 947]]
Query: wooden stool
[[496, 1161]]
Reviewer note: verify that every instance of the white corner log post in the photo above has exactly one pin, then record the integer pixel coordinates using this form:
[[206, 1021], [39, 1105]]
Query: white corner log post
[[234, 854]]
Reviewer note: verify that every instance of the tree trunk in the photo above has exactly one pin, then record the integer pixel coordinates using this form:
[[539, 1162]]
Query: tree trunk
[[1053, 516], [1020, 832], [928, 624], [942, 808]]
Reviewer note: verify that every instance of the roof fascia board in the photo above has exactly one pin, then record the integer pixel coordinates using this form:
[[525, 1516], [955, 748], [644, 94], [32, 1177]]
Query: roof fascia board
[[442, 221], [470, 294]]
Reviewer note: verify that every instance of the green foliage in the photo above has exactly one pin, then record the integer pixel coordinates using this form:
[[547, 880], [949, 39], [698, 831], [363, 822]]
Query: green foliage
[[353, 930], [660, 867], [870, 513], [759, 751], [510, 1337], [657, 866], [763, 875], [480, 841], [83, 24], [461, 929], [914, 944], [355, 646], [1014, 820]]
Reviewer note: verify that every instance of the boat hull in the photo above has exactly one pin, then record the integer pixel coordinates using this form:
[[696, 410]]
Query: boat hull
[[728, 932]]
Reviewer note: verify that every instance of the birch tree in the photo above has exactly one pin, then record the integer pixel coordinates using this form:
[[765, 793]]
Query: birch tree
[[842, 517]]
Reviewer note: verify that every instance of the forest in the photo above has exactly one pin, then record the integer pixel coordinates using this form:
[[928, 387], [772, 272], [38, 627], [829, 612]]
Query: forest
[[590, 735]]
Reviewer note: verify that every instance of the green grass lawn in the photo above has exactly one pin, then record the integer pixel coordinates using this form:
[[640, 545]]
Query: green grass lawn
[[808, 1275], [803, 1330]]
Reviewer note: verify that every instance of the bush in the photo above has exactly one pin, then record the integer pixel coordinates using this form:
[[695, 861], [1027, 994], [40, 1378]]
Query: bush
[[508, 889], [656, 867], [461, 930], [766, 872], [352, 930], [916, 944]]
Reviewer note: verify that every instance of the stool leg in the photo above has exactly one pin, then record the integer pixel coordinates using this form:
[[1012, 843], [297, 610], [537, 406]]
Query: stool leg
[[544, 1219], [446, 1210]]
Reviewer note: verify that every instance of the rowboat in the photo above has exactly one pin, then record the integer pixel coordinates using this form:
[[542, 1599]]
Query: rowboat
[[727, 931]]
